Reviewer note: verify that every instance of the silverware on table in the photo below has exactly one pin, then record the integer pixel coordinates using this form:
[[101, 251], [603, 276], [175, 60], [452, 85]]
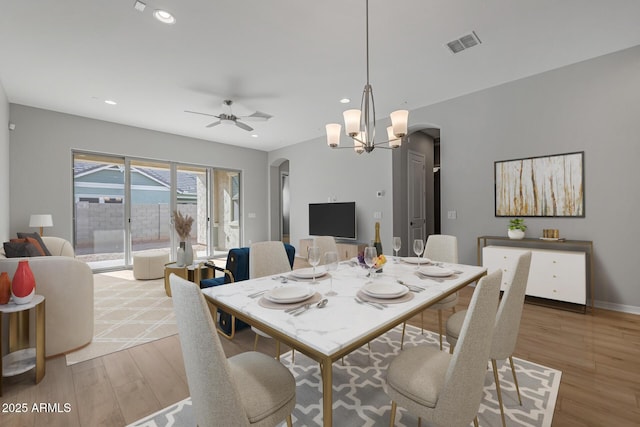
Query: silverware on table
[[412, 288], [257, 294], [296, 308], [320, 304], [424, 276], [377, 305]]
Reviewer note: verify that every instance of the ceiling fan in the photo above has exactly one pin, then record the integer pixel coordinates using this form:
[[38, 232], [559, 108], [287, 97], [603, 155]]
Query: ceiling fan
[[231, 119]]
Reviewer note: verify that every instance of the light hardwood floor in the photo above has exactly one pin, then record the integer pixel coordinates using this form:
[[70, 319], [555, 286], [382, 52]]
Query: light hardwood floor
[[599, 356]]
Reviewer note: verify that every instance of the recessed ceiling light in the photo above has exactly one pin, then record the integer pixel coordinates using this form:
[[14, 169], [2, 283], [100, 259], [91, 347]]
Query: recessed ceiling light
[[254, 135], [164, 16], [110, 102], [345, 101]]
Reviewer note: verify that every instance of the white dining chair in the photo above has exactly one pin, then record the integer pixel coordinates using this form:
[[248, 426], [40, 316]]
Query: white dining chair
[[249, 389], [446, 389], [440, 248], [506, 327], [265, 259]]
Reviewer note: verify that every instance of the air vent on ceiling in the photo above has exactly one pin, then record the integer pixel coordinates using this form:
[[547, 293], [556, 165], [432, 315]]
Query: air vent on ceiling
[[464, 42]]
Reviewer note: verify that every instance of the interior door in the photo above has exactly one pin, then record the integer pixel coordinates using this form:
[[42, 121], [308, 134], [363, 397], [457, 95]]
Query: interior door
[[416, 198]]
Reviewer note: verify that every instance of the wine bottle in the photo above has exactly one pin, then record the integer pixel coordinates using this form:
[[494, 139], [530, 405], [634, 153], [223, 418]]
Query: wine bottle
[[377, 243]]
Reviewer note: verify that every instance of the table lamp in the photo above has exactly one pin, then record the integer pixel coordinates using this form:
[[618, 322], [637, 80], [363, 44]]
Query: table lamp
[[41, 220]]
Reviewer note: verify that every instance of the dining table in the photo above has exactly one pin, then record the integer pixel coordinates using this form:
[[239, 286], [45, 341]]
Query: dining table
[[366, 304]]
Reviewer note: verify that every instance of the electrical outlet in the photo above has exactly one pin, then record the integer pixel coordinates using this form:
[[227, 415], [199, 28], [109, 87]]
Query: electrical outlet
[[452, 214]]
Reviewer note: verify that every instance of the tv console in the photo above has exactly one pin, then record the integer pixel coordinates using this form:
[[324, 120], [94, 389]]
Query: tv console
[[346, 249]]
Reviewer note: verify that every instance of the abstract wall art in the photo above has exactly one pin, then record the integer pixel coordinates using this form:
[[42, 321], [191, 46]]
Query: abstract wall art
[[545, 186]]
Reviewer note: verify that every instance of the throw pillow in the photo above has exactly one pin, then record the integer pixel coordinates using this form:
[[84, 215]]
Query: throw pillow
[[33, 241], [36, 236], [20, 249]]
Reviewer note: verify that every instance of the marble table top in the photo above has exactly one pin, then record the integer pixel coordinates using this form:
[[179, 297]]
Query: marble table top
[[343, 324]]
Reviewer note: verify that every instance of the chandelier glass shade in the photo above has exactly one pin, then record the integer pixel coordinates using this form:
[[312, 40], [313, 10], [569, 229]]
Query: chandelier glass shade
[[360, 125]]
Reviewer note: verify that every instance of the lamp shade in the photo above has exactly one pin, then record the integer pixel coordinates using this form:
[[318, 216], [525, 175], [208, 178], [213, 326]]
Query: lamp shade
[[394, 141], [352, 122], [41, 220], [399, 120], [333, 134]]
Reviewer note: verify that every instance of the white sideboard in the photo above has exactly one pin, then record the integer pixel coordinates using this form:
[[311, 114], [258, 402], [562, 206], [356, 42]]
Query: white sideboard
[[554, 275], [561, 272]]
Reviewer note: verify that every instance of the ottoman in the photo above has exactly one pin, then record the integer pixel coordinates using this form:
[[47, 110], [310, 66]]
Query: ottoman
[[149, 264]]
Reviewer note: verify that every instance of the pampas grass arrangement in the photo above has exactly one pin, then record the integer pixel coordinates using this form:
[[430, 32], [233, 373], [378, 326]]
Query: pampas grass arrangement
[[183, 225]]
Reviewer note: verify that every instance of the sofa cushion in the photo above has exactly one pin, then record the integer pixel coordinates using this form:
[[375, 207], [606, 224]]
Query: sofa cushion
[[20, 249], [36, 236]]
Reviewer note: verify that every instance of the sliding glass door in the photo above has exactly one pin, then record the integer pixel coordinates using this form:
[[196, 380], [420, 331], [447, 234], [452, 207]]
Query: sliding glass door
[[192, 190], [99, 209], [150, 195], [125, 205]]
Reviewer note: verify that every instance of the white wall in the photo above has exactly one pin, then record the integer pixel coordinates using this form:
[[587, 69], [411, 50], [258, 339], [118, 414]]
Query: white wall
[[41, 164], [591, 106], [4, 166]]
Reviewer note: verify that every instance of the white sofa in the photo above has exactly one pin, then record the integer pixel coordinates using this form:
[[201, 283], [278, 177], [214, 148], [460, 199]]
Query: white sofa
[[67, 285]]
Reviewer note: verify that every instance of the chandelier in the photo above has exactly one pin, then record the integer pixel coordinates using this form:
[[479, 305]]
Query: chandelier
[[360, 125]]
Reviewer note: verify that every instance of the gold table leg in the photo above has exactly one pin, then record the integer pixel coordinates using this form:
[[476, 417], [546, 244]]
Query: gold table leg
[[327, 389], [40, 342]]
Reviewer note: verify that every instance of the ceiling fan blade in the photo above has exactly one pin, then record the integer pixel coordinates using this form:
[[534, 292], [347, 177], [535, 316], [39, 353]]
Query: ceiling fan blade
[[210, 125], [258, 116], [244, 126], [202, 114]]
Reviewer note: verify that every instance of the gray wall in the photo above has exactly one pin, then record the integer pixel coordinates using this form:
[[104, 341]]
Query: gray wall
[[318, 173], [591, 106], [41, 164], [4, 166]]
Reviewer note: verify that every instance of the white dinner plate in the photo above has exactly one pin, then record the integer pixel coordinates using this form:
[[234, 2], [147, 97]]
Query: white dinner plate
[[307, 273], [415, 260], [289, 293], [385, 290], [435, 271]]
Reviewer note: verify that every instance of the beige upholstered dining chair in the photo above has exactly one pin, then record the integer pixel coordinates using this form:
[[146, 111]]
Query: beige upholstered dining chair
[[249, 389], [445, 389], [507, 324], [266, 259], [440, 248], [326, 244]]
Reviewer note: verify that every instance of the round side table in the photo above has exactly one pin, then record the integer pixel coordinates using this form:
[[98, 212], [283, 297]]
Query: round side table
[[21, 358]]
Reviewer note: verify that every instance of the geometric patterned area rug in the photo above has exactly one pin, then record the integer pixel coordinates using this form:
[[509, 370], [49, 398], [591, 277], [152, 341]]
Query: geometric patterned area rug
[[127, 312], [359, 398]]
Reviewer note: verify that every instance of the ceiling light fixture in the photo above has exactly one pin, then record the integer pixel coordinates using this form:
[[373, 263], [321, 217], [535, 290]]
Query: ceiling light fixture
[[110, 102], [345, 101], [164, 16], [360, 125]]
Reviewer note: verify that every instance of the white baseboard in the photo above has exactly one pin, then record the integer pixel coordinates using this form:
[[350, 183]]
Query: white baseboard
[[617, 307]]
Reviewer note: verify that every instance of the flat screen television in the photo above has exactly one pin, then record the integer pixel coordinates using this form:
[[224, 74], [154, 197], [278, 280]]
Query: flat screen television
[[333, 219]]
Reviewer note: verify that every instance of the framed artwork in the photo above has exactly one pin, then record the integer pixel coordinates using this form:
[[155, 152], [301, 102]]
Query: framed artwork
[[546, 186]]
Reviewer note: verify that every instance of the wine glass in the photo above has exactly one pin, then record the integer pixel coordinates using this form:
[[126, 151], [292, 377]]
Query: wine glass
[[313, 256], [418, 248], [397, 244], [370, 255], [331, 264]]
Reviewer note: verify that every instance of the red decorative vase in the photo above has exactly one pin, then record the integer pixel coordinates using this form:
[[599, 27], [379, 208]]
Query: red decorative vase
[[5, 288], [23, 286]]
